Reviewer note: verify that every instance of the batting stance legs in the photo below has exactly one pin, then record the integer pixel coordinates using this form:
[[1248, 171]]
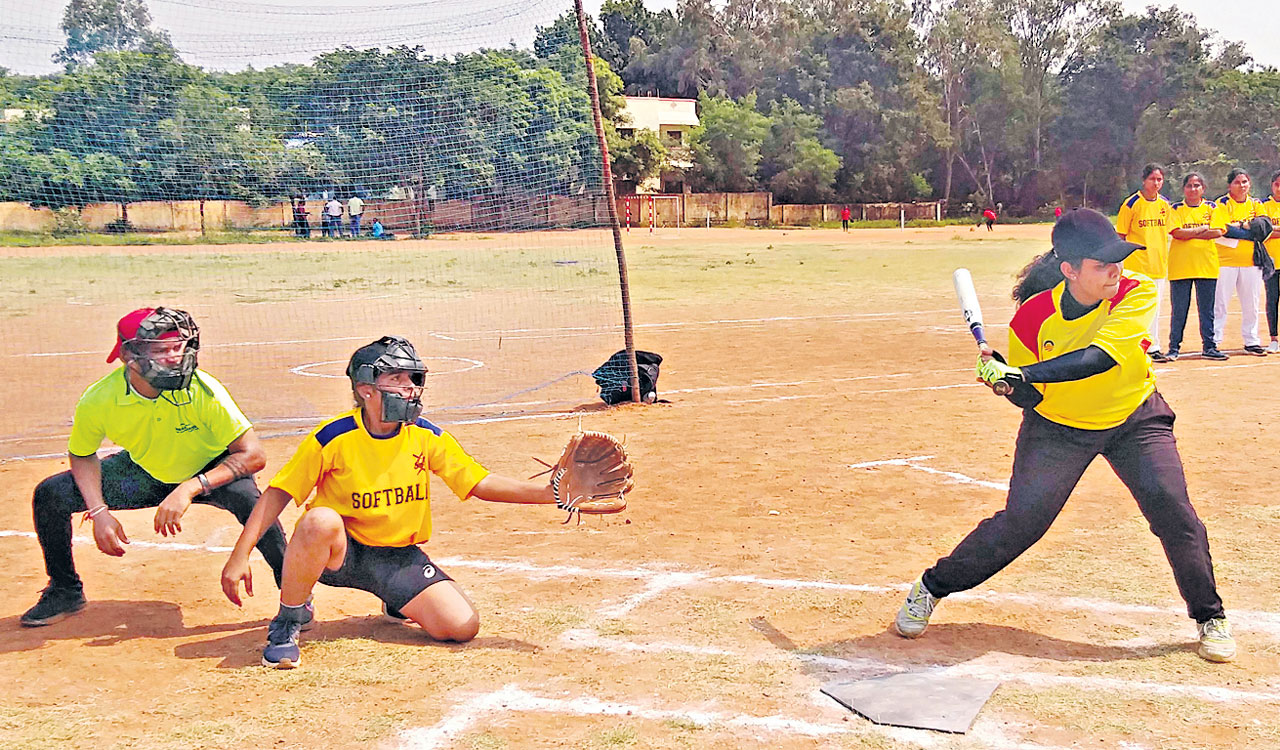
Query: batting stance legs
[[127, 486], [1049, 460]]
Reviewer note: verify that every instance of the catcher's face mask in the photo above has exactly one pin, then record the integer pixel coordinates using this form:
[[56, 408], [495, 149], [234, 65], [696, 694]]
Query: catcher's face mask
[[164, 349], [392, 366]]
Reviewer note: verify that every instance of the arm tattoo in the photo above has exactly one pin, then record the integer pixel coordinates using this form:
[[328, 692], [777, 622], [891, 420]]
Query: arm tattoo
[[237, 467]]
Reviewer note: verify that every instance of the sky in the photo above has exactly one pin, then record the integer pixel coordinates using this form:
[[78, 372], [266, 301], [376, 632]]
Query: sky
[[232, 34]]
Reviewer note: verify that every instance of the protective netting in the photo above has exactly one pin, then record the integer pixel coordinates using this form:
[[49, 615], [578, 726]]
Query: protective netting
[[244, 124]]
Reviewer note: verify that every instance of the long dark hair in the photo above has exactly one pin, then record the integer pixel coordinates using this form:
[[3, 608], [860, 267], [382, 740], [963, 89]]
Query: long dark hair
[[1044, 272]]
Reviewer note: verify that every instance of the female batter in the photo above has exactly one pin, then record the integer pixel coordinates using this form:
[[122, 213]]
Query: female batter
[[1078, 366], [370, 471]]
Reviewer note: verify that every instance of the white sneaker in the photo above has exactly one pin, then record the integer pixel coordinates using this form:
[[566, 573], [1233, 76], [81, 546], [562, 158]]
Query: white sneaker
[[1273, 347], [913, 618], [1216, 643]]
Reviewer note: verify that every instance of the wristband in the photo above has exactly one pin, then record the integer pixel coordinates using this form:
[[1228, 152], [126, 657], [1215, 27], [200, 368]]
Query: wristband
[[206, 488], [89, 514]]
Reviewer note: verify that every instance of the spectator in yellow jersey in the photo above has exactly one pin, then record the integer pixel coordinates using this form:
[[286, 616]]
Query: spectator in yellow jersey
[[1078, 369], [369, 470], [1271, 209], [1145, 219], [1193, 263], [1236, 271]]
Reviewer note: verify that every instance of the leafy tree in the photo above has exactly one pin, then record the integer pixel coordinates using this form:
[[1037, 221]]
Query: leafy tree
[[726, 144], [794, 163], [638, 157], [94, 26]]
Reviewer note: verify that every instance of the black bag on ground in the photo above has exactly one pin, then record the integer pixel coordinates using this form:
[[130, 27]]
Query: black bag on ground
[[614, 377]]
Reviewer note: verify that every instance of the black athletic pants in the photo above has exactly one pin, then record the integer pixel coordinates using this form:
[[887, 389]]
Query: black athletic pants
[[1048, 462], [1272, 285], [127, 486], [1180, 293]]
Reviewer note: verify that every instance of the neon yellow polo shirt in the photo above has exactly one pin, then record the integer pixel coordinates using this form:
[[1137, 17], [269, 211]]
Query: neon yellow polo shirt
[[1147, 223], [172, 436], [380, 486], [1117, 326], [1193, 259]]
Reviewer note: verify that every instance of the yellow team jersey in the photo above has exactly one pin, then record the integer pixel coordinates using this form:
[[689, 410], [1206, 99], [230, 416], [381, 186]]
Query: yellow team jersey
[[1271, 210], [1147, 223], [1118, 326], [1193, 259], [172, 436], [1227, 212], [380, 486]]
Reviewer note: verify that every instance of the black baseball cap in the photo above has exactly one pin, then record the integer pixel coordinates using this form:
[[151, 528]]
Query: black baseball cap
[[1084, 233]]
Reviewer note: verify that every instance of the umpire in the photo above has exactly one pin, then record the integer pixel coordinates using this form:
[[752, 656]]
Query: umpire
[[184, 440], [1077, 346]]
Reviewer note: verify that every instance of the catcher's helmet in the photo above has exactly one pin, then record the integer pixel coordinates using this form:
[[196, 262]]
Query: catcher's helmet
[[140, 329], [390, 354]]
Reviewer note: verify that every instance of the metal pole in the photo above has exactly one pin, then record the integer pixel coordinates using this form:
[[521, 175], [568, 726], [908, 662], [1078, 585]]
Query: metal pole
[[607, 175]]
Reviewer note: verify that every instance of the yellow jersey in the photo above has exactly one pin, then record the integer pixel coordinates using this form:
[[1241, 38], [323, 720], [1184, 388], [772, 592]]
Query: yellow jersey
[[1193, 259], [172, 436], [1228, 211], [1118, 326], [379, 485], [1271, 210], [1147, 223]]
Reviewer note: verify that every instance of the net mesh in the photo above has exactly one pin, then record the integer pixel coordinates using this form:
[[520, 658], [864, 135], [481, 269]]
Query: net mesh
[[245, 125]]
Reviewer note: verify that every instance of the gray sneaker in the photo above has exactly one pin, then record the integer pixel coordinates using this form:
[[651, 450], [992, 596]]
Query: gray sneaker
[[913, 618], [1216, 643]]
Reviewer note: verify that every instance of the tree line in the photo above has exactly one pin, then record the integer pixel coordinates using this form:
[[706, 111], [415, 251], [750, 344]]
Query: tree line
[[1023, 102]]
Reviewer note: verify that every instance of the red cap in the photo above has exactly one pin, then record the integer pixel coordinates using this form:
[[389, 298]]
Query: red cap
[[127, 329]]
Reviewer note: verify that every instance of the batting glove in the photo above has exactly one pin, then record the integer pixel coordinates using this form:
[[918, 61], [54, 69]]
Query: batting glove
[[991, 371]]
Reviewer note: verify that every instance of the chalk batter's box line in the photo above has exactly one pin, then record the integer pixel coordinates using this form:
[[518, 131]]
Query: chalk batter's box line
[[673, 577]]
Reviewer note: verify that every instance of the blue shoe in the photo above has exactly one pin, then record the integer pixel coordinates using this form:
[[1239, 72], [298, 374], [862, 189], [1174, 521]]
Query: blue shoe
[[282, 650]]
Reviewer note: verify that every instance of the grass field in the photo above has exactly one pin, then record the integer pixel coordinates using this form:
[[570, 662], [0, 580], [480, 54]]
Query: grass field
[[823, 443]]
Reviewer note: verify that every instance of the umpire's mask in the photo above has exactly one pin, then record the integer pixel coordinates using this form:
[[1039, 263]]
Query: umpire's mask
[[164, 343], [390, 354]]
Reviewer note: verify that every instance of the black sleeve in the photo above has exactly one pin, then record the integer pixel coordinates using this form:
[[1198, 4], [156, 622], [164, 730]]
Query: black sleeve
[[1077, 365]]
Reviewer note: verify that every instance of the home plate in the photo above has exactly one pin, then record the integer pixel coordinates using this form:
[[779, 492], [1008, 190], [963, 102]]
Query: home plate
[[916, 700]]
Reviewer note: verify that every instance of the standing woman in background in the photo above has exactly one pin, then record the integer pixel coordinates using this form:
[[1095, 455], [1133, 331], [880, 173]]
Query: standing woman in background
[[1271, 209], [1193, 262], [1235, 260], [1145, 219]]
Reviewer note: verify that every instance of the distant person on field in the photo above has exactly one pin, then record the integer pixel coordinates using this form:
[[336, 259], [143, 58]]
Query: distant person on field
[[183, 440], [378, 232], [1146, 218], [1193, 263], [1271, 209], [1236, 271], [1057, 212], [355, 209], [989, 218], [845, 215], [333, 218], [301, 223]]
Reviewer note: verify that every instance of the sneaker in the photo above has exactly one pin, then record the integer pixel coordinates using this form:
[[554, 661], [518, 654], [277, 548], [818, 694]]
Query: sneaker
[[1215, 354], [1172, 355], [1158, 356], [282, 650], [56, 603], [394, 615], [1273, 347], [1216, 643], [1255, 350], [310, 622], [913, 618]]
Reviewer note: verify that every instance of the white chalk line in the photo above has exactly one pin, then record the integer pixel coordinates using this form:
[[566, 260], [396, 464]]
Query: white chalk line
[[1254, 620], [914, 463], [305, 369], [654, 587], [997, 666]]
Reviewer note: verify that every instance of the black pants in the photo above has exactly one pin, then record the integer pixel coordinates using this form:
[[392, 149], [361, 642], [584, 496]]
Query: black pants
[[1048, 462], [1180, 293], [1272, 285], [127, 486]]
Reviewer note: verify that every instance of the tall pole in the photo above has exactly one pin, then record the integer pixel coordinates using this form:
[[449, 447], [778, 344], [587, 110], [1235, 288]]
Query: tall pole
[[627, 329]]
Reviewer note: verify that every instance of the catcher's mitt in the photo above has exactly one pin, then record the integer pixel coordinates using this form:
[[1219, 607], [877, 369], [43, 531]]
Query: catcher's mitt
[[592, 475]]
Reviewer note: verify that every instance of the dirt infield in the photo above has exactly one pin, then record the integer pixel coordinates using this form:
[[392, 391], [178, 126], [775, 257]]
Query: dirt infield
[[823, 443]]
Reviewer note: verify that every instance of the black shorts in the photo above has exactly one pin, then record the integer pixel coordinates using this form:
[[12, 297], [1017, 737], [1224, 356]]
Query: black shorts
[[393, 574]]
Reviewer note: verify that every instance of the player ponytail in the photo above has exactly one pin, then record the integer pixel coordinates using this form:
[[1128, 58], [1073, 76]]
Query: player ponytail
[[1045, 272]]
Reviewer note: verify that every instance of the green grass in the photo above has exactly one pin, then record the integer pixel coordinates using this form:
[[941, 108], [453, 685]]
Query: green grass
[[9, 238]]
